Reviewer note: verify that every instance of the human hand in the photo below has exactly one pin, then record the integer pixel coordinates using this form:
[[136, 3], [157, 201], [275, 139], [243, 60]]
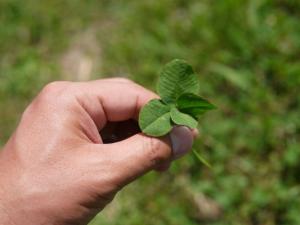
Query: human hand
[[55, 168]]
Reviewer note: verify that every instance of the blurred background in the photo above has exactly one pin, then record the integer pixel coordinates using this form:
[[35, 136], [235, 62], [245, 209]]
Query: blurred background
[[246, 53]]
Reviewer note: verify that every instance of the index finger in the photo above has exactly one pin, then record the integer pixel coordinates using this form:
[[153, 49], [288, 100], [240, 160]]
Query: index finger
[[113, 99]]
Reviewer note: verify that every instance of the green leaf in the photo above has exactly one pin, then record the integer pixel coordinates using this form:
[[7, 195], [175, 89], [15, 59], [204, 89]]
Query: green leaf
[[155, 118], [179, 105], [201, 159], [193, 105], [180, 118], [176, 77]]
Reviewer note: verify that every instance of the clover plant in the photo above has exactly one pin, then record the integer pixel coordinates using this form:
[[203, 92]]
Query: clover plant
[[177, 87]]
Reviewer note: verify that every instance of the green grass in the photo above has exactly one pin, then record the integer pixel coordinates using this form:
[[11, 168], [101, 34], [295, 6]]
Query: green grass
[[247, 56]]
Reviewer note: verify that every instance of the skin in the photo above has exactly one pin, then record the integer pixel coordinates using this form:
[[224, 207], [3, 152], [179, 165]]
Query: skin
[[55, 168]]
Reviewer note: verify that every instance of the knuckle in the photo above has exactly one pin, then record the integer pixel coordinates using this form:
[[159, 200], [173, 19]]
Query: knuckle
[[55, 91], [28, 112], [53, 95], [55, 87]]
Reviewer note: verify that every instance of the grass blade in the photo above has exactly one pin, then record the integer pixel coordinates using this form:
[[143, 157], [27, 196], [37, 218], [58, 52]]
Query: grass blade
[[201, 159]]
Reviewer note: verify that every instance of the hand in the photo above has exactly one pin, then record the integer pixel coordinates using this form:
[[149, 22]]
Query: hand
[[55, 169]]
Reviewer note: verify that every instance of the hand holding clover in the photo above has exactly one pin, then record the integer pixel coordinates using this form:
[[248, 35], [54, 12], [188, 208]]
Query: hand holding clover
[[56, 168]]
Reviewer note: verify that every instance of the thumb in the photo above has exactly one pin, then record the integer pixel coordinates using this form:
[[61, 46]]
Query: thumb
[[139, 154]]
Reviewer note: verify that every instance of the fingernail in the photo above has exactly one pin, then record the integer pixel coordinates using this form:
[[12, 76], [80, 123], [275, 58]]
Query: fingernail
[[182, 141]]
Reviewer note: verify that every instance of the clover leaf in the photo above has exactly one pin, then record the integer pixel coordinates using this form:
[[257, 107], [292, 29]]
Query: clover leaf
[[176, 78], [155, 118], [181, 118], [193, 104], [178, 87]]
